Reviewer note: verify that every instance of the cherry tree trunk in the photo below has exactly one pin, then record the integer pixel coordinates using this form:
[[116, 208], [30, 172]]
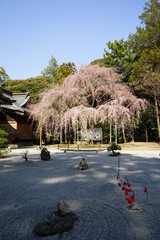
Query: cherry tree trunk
[[132, 136], [132, 131], [110, 132], [116, 133], [157, 116], [77, 133], [68, 134], [146, 135], [123, 133]]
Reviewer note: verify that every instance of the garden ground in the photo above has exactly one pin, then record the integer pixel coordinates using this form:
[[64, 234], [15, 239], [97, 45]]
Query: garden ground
[[30, 190]]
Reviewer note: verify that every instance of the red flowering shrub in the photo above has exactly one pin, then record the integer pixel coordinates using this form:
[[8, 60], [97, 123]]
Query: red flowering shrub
[[126, 187]]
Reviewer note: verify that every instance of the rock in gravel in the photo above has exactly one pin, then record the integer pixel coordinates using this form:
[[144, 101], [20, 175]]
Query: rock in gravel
[[82, 164], [45, 154], [56, 222]]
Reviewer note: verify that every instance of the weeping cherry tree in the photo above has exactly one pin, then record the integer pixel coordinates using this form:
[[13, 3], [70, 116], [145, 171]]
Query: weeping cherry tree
[[90, 96]]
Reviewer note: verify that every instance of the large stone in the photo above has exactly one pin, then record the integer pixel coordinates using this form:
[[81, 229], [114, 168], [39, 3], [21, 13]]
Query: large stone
[[82, 164], [58, 225], [57, 222], [45, 154], [63, 208]]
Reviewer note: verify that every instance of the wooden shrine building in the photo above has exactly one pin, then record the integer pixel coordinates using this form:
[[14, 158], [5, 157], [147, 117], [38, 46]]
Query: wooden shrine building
[[14, 116]]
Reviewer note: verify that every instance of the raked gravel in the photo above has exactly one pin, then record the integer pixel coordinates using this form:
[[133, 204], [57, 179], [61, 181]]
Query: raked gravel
[[30, 190]]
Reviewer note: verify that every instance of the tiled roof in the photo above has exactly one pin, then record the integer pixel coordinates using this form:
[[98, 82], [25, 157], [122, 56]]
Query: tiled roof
[[6, 96], [15, 101], [21, 98]]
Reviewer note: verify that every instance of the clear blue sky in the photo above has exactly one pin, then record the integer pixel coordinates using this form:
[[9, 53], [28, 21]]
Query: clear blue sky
[[70, 30]]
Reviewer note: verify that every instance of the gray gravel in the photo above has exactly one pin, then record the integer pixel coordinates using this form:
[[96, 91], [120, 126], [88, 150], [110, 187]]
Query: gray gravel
[[30, 190]]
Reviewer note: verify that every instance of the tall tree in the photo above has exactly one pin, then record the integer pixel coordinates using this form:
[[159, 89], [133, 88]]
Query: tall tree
[[90, 96], [58, 73], [3, 75], [119, 56], [64, 70], [52, 68], [145, 43]]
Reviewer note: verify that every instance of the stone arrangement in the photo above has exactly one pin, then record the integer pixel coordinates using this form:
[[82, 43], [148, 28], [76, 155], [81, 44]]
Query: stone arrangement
[[57, 222], [82, 164], [45, 154]]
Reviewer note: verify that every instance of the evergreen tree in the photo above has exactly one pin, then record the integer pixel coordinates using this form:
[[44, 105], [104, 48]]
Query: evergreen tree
[[52, 68], [3, 76], [145, 43], [119, 56]]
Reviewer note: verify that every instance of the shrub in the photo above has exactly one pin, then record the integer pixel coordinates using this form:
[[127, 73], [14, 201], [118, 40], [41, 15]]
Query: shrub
[[129, 194], [3, 142], [112, 148]]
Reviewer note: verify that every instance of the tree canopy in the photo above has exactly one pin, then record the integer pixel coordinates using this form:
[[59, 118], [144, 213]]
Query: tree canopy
[[35, 86], [56, 72], [118, 56], [64, 70], [51, 69], [3, 75], [145, 43], [53, 75], [90, 96]]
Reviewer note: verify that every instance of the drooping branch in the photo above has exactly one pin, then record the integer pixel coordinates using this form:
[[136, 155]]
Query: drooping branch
[[90, 96]]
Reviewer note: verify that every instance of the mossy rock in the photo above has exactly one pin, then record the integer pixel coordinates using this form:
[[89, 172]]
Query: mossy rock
[[45, 154], [58, 225]]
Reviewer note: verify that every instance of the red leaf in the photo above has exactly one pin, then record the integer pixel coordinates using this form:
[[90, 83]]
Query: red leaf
[[145, 189], [130, 201], [133, 198]]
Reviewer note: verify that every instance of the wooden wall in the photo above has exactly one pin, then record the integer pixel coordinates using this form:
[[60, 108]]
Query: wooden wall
[[18, 129]]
